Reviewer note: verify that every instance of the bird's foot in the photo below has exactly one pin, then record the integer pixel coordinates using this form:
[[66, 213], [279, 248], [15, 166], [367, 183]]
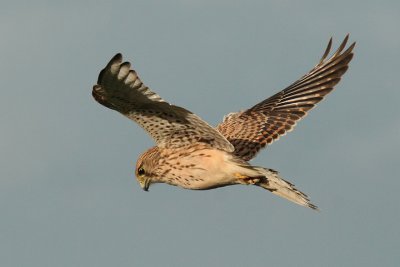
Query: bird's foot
[[244, 179]]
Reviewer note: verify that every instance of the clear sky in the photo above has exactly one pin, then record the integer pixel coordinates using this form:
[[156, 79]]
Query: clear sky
[[68, 196]]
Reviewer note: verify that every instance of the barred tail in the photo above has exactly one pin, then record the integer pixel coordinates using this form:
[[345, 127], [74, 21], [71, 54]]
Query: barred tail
[[282, 188]]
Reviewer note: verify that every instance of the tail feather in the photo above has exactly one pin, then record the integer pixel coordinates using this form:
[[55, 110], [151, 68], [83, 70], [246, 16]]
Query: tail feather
[[283, 188]]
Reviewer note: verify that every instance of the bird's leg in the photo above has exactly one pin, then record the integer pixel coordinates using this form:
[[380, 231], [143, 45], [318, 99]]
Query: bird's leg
[[244, 179]]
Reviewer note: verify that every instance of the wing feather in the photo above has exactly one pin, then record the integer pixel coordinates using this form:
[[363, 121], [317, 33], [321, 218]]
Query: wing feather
[[251, 130], [119, 88]]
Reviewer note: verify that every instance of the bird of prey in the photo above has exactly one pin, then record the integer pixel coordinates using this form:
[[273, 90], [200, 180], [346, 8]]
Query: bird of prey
[[192, 154]]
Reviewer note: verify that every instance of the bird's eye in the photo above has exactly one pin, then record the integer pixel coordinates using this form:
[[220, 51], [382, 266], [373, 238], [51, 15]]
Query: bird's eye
[[141, 171]]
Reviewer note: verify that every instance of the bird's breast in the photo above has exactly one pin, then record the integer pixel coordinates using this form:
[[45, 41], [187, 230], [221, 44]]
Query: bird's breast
[[196, 168]]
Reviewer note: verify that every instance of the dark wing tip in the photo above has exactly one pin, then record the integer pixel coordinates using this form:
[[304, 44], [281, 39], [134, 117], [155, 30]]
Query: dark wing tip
[[342, 46], [101, 74], [115, 59], [351, 47], [327, 50], [126, 63], [339, 50]]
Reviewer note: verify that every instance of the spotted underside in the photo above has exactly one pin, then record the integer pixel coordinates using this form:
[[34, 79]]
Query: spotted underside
[[192, 154], [252, 129]]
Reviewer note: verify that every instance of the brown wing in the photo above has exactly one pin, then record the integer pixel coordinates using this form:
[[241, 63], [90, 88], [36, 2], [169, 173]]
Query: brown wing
[[119, 88], [253, 129]]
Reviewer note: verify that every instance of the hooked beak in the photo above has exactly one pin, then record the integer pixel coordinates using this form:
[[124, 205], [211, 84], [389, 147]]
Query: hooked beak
[[145, 184]]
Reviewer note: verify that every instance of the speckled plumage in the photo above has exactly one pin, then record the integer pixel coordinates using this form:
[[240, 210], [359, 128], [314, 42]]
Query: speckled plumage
[[191, 154], [270, 119]]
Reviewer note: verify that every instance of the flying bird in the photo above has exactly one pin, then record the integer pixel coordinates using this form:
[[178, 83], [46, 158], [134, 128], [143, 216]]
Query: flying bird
[[192, 154]]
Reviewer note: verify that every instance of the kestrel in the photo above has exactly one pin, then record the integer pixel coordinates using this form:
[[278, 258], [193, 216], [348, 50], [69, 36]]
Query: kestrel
[[194, 155]]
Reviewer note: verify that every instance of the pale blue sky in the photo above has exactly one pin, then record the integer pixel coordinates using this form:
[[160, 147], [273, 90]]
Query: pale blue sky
[[68, 196]]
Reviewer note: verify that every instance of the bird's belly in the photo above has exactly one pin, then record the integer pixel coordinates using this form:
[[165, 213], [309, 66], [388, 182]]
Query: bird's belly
[[202, 170], [208, 181]]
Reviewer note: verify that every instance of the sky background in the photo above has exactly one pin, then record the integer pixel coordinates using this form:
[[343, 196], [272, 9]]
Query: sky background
[[68, 195]]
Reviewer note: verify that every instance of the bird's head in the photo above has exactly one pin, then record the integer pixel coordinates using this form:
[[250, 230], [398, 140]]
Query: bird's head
[[145, 168]]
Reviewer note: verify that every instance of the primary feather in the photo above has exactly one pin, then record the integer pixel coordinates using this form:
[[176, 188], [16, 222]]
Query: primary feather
[[251, 130], [120, 88]]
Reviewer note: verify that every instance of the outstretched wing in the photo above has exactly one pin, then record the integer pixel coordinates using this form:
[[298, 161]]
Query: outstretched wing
[[253, 129], [119, 88]]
